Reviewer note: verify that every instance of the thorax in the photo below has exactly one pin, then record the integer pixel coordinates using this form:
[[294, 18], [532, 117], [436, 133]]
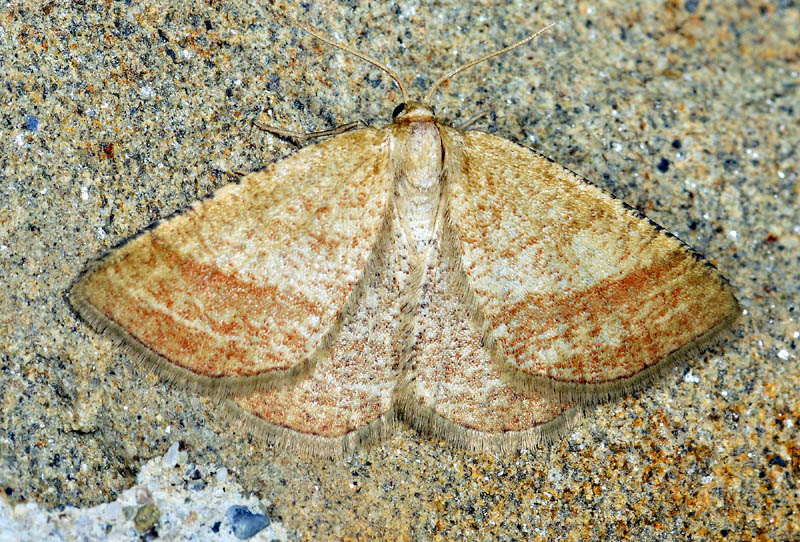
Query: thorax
[[416, 157]]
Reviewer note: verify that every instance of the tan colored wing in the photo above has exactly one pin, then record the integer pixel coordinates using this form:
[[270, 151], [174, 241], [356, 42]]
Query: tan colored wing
[[579, 294], [348, 397], [452, 389], [245, 287]]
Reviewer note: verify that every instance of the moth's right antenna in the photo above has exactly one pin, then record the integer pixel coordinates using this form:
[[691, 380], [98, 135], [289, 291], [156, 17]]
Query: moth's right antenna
[[468, 65], [362, 56]]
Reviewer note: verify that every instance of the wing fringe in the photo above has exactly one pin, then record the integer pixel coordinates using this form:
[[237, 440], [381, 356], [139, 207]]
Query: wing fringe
[[311, 445], [590, 394], [427, 422]]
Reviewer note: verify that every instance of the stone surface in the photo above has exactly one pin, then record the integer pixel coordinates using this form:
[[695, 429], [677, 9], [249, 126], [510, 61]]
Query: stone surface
[[161, 505], [116, 114]]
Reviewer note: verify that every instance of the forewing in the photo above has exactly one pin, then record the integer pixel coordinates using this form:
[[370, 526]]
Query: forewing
[[580, 294], [250, 283]]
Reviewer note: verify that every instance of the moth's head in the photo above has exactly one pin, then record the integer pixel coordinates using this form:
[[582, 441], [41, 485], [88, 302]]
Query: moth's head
[[413, 112]]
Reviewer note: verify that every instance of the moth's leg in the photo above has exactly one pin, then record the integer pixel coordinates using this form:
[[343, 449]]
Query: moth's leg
[[299, 139], [472, 120], [236, 173]]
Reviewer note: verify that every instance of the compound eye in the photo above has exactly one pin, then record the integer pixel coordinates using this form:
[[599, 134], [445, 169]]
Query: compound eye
[[397, 110]]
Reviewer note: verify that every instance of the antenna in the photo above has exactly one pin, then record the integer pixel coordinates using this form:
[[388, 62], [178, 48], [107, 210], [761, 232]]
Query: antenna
[[468, 65], [362, 56]]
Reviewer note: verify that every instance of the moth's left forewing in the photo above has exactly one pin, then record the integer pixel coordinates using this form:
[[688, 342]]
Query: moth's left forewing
[[575, 293]]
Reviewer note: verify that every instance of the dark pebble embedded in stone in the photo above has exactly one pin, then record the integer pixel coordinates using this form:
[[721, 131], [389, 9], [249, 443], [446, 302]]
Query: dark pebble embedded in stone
[[196, 485], [663, 165], [245, 523], [195, 481], [146, 516], [778, 460], [31, 123], [149, 536]]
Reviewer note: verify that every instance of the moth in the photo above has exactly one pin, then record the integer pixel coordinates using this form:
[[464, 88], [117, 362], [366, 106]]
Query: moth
[[444, 277]]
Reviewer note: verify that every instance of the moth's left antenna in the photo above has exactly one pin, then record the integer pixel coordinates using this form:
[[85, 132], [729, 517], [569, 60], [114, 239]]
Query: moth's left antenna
[[360, 55]]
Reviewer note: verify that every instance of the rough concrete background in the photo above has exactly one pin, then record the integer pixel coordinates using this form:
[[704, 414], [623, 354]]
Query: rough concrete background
[[114, 114]]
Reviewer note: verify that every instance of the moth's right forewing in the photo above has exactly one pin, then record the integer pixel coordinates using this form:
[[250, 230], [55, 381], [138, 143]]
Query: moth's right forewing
[[245, 286], [578, 294]]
